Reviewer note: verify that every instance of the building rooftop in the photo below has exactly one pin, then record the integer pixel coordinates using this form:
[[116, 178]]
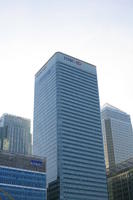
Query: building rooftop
[[14, 116], [120, 168], [107, 105], [63, 54], [25, 162]]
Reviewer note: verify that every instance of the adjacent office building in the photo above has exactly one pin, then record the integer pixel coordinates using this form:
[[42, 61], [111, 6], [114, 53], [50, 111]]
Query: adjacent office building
[[22, 177], [67, 129], [3, 139], [15, 134], [117, 134], [120, 181]]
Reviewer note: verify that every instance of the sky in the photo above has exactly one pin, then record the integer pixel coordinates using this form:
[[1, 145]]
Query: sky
[[96, 31]]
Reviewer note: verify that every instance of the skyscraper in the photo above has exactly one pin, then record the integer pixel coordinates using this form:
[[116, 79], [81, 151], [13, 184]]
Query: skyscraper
[[117, 134], [15, 135], [67, 129]]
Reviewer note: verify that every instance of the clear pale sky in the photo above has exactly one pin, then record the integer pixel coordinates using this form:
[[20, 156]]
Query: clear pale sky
[[97, 31]]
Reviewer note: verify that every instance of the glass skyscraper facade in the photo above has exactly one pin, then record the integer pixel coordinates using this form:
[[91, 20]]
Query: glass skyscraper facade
[[67, 129], [15, 135], [117, 134], [22, 177]]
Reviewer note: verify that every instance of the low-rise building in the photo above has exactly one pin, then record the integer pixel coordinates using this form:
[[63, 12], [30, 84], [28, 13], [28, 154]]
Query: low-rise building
[[22, 177], [120, 181]]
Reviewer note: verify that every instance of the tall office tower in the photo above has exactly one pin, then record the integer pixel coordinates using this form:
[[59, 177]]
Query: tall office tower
[[15, 134], [117, 134], [22, 177], [67, 129]]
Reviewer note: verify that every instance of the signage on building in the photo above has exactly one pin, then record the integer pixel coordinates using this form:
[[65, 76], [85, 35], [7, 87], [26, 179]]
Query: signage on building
[[36, 162], [72, 60]]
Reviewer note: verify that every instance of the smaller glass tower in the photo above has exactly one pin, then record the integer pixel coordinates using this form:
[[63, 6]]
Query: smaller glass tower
[[15, 135], [117, 134]]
